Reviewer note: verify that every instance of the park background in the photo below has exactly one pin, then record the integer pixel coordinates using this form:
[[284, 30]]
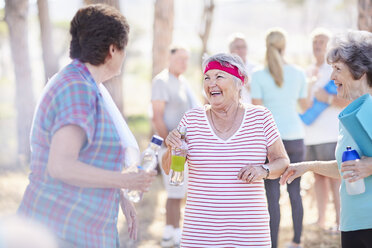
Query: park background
[[202, 25]]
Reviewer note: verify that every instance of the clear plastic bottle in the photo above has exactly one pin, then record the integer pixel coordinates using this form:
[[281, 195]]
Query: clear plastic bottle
[[148, 163], [357, 187], [178, 161]]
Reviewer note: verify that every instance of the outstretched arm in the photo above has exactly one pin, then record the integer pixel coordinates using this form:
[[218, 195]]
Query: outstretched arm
[[324, 168]]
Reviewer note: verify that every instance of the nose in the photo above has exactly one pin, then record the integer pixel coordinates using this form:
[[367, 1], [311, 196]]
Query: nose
[[333, 75]]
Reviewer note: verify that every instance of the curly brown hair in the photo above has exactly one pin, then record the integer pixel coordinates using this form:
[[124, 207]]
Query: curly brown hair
[[93, 29]]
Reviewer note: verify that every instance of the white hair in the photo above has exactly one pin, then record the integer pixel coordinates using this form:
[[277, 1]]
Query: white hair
[[228, 60]]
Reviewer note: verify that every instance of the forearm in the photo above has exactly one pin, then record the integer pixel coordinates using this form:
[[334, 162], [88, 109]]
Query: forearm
[[324, 168], [277, 167], [160, 127], [83, 175], [166, 161]]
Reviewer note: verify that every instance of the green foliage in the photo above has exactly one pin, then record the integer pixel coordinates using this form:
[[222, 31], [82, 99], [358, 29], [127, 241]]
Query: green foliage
[[140, 125], [6, 111], [62, 24], [3, 26], [138, 67], [294, 3]]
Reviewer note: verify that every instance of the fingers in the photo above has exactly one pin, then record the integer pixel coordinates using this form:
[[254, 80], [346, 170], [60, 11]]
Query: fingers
[[244, 173], [249, 173], [173, 139], [352, 176], [348, 165], [287, 177], [132, 228]]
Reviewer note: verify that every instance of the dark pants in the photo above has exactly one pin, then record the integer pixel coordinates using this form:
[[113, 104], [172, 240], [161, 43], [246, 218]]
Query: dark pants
[[357, 239], [296, 153]]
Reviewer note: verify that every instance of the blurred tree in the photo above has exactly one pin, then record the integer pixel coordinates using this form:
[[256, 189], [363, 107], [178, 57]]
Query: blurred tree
[[50, 59], [205, 27], [365, 15], [163, 32], [16, 18], [114, 85]]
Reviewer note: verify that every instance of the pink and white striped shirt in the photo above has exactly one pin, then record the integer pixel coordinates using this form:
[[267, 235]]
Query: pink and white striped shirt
[[222, 211]]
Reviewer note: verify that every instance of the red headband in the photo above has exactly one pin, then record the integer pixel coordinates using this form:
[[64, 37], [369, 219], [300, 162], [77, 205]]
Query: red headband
[[231, 69]]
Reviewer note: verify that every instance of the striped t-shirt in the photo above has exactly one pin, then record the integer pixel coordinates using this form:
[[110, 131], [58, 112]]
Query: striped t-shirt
[[222, 211]]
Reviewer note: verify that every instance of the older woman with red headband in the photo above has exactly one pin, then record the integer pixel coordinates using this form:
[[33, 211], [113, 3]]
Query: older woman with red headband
[[228, 143]]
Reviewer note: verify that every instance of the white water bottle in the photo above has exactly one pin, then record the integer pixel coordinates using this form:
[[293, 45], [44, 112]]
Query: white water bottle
[[357, 187], [148, 163]]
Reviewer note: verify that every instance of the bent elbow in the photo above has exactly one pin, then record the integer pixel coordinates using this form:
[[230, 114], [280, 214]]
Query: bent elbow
[[55, 170], [52, 171]]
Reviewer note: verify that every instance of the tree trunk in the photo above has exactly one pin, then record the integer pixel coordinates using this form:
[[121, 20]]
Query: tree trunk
[[163, 32], [16, 18], [206, 25], [114, 85], [114, 3], [365, 15], [50, 59]]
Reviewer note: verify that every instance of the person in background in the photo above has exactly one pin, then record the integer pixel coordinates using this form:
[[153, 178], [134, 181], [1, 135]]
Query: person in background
[[77, 147], [350, 55], [228, 143], [171, 97], [280, 87], [321, 135], [238, 45]]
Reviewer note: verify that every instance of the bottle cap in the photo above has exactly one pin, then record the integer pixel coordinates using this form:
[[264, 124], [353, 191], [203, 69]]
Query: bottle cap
[[157, 140]]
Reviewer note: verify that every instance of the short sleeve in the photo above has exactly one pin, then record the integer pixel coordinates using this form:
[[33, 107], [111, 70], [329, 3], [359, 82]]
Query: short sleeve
[[159, 90], [183, 122], [303, 85], [256, 91], [75, 104], [271, 131]]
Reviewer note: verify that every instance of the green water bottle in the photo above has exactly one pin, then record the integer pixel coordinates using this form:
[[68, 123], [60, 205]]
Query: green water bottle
[[178, 161]]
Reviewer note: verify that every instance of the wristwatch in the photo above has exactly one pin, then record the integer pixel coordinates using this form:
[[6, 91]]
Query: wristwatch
[[266, 168]]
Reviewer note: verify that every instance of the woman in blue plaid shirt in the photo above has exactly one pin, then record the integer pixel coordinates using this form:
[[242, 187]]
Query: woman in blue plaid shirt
[[76, 178]]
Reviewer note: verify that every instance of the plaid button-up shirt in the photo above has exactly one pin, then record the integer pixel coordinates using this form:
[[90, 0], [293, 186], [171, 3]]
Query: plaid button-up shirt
[[86, 217]]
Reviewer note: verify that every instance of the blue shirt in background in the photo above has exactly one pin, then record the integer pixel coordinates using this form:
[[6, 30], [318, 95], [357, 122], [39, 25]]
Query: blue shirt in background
[[282, 101]]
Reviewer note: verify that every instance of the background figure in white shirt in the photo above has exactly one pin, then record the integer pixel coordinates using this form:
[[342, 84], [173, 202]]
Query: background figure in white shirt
[[238, 45], [171, 97], [321, 135]]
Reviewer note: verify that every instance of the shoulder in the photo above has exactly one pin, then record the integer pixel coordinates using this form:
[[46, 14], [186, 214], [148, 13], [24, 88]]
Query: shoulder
[[261, 73], [70, 81], [196, 112], [294, 69], [256, 110], [161, 78]]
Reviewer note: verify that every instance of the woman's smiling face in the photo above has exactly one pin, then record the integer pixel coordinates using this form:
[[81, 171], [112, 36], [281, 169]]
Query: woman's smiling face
[[220, 88], [347, 87]]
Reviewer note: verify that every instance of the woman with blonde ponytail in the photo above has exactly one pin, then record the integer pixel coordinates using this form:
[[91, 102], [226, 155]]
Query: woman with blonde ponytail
[[280, 87]]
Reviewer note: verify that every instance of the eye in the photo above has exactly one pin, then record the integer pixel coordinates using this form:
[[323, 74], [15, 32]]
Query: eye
[[206, 78], [219, 76]]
